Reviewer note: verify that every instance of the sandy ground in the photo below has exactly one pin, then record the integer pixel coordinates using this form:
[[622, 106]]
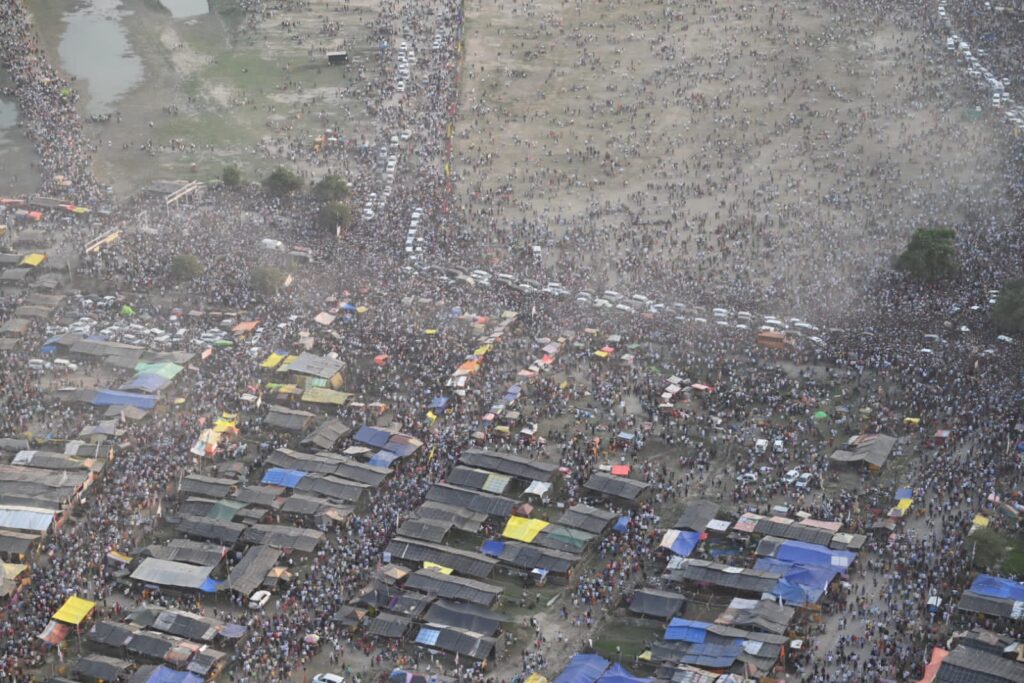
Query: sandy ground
[[786, 146]]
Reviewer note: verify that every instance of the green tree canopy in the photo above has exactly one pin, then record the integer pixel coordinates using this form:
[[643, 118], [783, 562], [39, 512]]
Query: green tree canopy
[[282, 182], [1008, 313], [331, 188], [930, 255], [231, 176], [186, 267], [987, 547], [334, 216], [266, 281]]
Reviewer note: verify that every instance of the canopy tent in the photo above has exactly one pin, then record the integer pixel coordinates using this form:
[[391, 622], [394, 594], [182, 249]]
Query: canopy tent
[[618, 674], [686, 630], [523, 529], [679, 542], [583, 669], [997, 587], [75, 610], [281, 477]]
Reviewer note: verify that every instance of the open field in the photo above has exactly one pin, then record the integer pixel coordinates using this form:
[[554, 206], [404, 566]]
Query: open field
[[755, 155]]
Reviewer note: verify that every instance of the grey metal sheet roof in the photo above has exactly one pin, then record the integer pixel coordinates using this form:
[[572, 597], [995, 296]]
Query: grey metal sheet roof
[[252, 569], [477, 501], [459, 517], [971, 665], [303, 540], [434, 582], [462, 561], [591, 519], [512, 465], [619, 487]]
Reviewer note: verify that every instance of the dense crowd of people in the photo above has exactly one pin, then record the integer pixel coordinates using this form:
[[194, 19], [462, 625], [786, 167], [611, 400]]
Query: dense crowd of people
[[869, 375]]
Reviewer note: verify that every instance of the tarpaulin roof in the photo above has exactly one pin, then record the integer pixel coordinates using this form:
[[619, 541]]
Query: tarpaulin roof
[[997, 587], [656, 603], [166, 370], [110, 397], [799, 584], [373, 436], [74, 610], [686, 630], [282, 477], [148, 382], [163, 674], [169, 573], [25, 519], [523, 529], [383, 459], [817, 555], [679, 542], [583, 669], [618, 674]]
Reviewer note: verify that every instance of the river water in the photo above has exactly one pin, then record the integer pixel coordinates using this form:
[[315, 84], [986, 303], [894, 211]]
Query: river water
[[94, 49]]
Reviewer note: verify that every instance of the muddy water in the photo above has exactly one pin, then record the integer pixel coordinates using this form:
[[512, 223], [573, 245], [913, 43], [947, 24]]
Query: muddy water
[[180, 9], [94, 49], [16, 152]]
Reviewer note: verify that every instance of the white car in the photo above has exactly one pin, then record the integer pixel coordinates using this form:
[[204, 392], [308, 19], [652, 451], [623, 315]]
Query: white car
[[790, 477], [805, 480], [747, 478], [328, 678], [400, 86], [259, 599]]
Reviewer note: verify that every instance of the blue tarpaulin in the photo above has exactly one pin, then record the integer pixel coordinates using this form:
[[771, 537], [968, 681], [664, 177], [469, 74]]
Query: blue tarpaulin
[[110, 397], [812, 554], [428, 636], [811, 581], [583, 669], [401, 448], [618, 674], [439, 402], [278, 476], [686, 630], [372, 436], [163, 674], [713, 656], [904, 493], [493, 548], [148, 382], [383, 459], [211, 585], [621, 524], [681, 543], [996, 587]]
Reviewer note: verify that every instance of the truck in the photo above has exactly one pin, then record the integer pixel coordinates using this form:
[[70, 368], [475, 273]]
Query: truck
[[775, 340]]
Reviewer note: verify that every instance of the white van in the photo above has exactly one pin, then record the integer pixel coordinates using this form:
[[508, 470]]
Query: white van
[[39, 365], [761, 446]]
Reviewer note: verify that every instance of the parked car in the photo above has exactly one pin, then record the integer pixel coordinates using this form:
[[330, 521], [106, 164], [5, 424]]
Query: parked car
[[259, 599]]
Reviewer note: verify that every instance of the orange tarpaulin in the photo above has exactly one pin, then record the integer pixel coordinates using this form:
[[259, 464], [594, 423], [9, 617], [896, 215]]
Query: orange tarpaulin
[[381, 359], [620, 470], [247, 326], [930, 671]]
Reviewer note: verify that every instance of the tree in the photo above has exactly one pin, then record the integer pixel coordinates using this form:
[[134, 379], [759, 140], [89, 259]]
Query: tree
[[282, 182], [331, 188], [266, 280], [186, 267], [930, 255], [231, 176], [987, 547], [334, 216], [1008, 313]]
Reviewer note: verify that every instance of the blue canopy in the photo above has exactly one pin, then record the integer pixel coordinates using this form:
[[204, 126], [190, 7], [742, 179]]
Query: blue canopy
[[210, 585], [372, 436], [428, 636], [811, 581], [279, 476], [997, 587], [440, 402], [621, 524], [583, 669], [686, 630], [383, 459], [148, 382], [493, 548], [618, 674], [814, 554], [163, 674], [111, 397], [903, 493], [685, 542], [713, 655]]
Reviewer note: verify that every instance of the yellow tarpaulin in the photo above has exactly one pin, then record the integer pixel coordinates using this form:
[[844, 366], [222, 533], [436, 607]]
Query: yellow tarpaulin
[[904, 504], [13, 570], [33, 259], [912, 420], [482, 351], [272, 361], [429, 331], [980, 520], [535, 678], [286, 362], [75, 610], [601, 354], [431, 416], [361, 309], [224, 425], [438, 567], [523, 529], [324, 395]]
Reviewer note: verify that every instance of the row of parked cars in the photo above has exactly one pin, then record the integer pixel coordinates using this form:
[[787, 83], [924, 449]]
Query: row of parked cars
[[1001, 99]]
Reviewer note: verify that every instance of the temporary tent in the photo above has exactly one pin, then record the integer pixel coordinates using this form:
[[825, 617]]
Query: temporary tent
[[75, 610], [583, 669], [523, 529], [681, 543]]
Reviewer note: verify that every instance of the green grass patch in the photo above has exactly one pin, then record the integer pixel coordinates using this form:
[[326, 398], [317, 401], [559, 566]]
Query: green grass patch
[[1013, 562], [630, 636]]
